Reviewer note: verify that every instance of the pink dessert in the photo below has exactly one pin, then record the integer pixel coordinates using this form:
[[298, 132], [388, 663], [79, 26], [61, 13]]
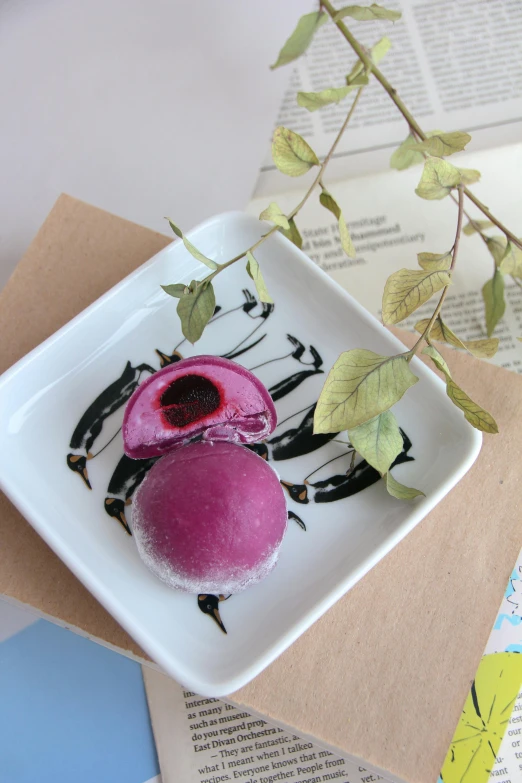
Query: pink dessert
[[210, 515], [205, 395], [210, 518]]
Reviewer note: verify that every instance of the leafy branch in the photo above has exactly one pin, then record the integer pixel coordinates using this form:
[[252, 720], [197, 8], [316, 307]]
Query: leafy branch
[[293, 156], [413, 125], [362, 386]]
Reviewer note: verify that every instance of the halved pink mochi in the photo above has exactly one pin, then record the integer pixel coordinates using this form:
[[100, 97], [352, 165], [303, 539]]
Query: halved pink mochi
[[204, 395], [210, 518]]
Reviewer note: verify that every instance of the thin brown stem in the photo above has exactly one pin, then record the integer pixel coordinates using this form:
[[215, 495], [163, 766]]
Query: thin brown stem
[[454, 251], [327, 159], [410, 119], [473, 222], [485, 211]]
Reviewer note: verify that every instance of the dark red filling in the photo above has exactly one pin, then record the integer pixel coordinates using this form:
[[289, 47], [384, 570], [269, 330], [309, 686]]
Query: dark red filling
[[188, 399]]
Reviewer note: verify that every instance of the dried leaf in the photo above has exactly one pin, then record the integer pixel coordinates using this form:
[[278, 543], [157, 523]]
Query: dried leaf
[[190, 247], [359, 79], [511, 263], [493, 295], [442, 144], [291, 153], [367, 13], [316, 100], [301, 38], [469, 176], [481, 349], [477, 416], [360, 385], [404, 156], [195, 309], [477, 225], [293, 234], [408, 289], [380, 50], [438, 178], [400, 491], [359, 73], [328, 201], [497, 246], [433, 262], [175, 289], [254, 271], [438, 360], [378, 441], [275, 214]]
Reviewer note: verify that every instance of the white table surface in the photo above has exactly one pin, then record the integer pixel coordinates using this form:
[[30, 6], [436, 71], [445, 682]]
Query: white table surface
[[146, 108]]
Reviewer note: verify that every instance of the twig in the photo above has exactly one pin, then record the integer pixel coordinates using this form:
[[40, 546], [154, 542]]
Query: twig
[[410, 119], [454, 250], [293, 213]]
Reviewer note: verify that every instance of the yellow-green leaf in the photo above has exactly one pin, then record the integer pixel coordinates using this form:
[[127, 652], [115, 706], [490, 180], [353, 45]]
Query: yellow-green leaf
[[275, 214], [511, 262], [434, 262], [190, 247], [378, 441], [177, 290], [359, 73], [291, 153], [195, 309], [408, 289], [328, 201], [404, 156], [380, 50], [346, 240], [484, 719], [360, 385], [477, 225], [442, 144], [367, 13], [477, 416], [316, 100], [497, 246], [357, 76], [301, 38], [400, 491], [493, 295], [469, 176], [292, 233], [438, 178], [481, 349], [438, 359], [254, 271]]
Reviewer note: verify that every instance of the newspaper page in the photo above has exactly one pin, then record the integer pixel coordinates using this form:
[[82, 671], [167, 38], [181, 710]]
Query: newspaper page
[[390, 224], [456, 64], [204, 740]]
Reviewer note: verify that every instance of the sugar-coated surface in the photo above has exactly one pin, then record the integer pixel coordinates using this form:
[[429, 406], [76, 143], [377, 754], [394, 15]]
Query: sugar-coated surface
[[204, 395], [210, 518]]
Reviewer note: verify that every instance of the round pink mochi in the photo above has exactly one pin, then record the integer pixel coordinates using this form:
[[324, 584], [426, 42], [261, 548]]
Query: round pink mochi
[[210, 518]]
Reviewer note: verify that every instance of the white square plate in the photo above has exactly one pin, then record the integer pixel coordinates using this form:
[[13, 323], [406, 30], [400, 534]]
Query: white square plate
[[44, 396]]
